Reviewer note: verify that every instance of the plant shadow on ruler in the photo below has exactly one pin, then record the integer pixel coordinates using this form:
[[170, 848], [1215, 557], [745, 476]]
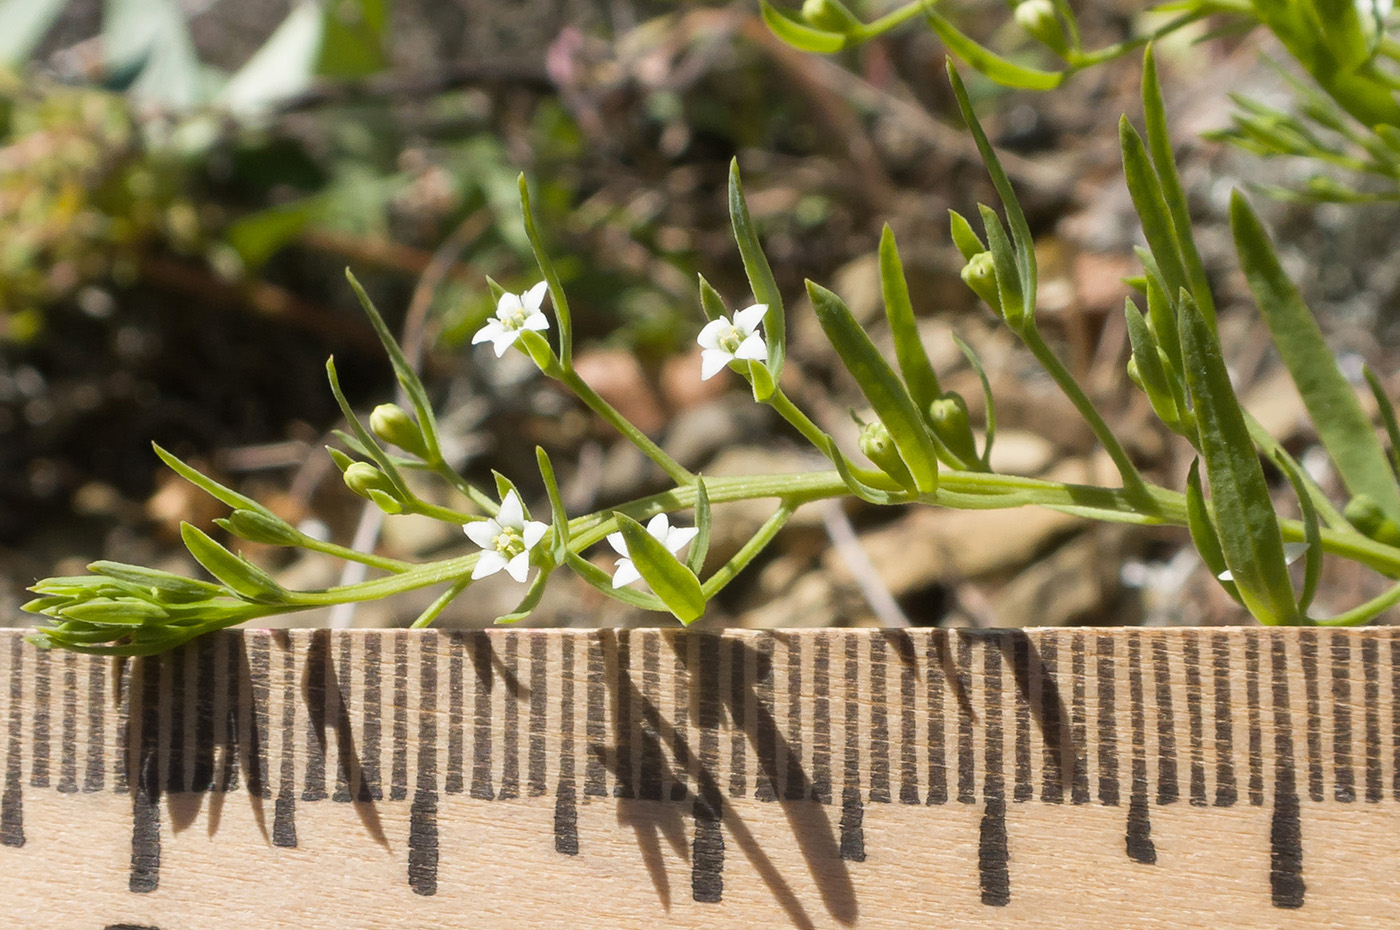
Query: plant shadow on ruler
[[793, 764]]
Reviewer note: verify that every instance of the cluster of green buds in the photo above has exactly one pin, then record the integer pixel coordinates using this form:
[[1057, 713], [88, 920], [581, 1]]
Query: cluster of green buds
[[920, 441]]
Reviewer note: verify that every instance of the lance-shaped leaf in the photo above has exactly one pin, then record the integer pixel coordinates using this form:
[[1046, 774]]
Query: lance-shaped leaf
[[237, 573], [1330, 400], [206, 484], [1387, 411], [761, 282], [1245, 521], [670, 580], [1159, 145], [899, 310], [700, 545], [603, 582], [1312, 533], [125, 611], [989, 404], [551, 277], [1015, 217], [800, 35], [967, 241], [1153, 374], [435, 609], [559, 519], [711, 302], [165, 585], [403, 371], [880, 385], [1207, 541], [256, 526], [1151, 205], [1015, 308], [988, 62]]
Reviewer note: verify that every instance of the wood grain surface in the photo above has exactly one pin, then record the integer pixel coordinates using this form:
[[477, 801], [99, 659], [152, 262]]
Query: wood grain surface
[[831, 778]]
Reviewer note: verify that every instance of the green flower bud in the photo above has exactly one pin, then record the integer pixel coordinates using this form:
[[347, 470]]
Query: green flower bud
[[878, 446], [831, 15], [372, 484], [393, 425], [1038, 18], [951, 424], [256, 526], [1366, 515], [980, 274]]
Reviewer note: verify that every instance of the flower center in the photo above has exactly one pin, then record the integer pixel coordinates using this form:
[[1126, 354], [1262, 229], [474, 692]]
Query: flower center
[[516, 320], [731, 340], [509, 542]]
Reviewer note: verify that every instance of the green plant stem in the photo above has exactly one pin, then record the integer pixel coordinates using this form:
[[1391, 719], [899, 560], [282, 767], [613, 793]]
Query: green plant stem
[[1365, 612], [891, 20], [445, 514], [746, 554], [352, 555], [427, 617], [1132, 479], [440, 467], [794, 415], [651, 450]]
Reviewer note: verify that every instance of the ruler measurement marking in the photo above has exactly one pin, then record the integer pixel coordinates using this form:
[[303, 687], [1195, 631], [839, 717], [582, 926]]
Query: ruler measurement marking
[[795, 786], [39, 750], [284, 828], [738, 717], [1226, 791], [994, 877], [68, 741], [908, 718], [314, 676], [121, 761], [1344, 788], [1079, 739], [1256, 736], [539, 709], [12, 798], [1307, 642], [339, 684], [145, 799], [1195, 720], [510, 731], [1285, 832], [1370, 662], [204, 688], [1108, 731], [422, 818], [1168, 790], [852, 808], [1022, 676], [481, 720], [565, 799], [1138, 841], [879, 742], [962, 678], [1050, 703], [821, 721], [765, 787]]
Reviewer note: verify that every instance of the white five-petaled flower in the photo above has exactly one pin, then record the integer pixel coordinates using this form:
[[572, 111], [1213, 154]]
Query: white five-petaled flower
[[515, 313], [674, 538], [725, 341], [505, 541]]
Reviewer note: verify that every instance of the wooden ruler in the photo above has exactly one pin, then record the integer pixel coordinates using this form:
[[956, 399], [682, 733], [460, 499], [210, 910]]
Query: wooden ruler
[[922, 778]]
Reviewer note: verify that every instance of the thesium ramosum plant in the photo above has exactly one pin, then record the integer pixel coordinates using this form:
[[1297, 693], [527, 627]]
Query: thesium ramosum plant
[[919, 448]]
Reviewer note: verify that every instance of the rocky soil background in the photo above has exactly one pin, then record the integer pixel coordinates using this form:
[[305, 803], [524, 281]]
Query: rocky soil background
[[229, 374]]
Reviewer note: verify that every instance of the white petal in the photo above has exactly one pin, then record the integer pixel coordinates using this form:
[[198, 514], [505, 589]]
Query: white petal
[[504, 340], [536, 321], [748, 318], [626, 573], [709, 336], [618, 543], [519, 566], [491, 331], [512, 513], [712, 362], [753, 349], [534, 297], [483, 533], [490, 562], [658, 525], [679, 536], [533, 532], [508, 306]]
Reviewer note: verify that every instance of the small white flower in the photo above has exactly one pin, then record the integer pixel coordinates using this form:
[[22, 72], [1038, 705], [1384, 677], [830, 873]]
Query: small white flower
[[674, 538], [1292, 552], [724, 341], [505, 541], [515, 313]]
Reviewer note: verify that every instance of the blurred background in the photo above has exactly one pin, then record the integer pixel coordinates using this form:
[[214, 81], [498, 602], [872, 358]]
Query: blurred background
[[183, 184]]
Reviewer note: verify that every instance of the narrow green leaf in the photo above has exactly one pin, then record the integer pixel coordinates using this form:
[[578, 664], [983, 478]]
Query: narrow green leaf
[[1015, 308], [126, 612], [602, 581], [988, 62], [206, 484], [988, 402], [700, 545], [551, 277], [670, 580], [366, 441], [761, 280], [1161, 315], [435, 609], [504, 486], [1149, 364], [238, 574], [1245, 520], [711, 302], [559, 518], [967, 241], [1387, 411], [1202, 529], [169, 587], [254, 526], [1312, 533], [1151, 205], [880, 385], [1330, 400], [403, 371], [1015, 217], [899, 310], [800, 35], [1159, 145], [529, 602]]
